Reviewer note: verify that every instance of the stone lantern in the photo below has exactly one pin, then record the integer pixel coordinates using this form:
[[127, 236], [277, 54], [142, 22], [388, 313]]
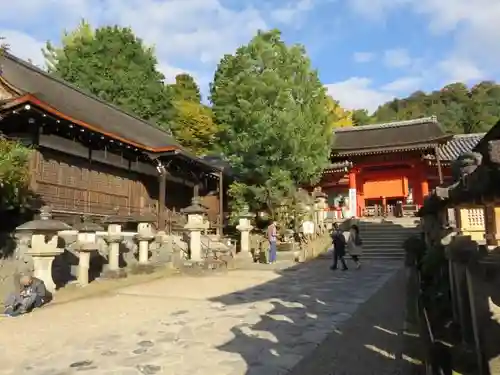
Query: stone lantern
[[245, 228], [145, 235], [113, 238], [86, 244], [195, 225], [43, 248], [319, 206]]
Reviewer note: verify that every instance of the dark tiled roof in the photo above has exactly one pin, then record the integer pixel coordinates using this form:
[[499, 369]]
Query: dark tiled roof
[[458, 145], [218, 162], [81, 106], [402, 135], [338, 166]]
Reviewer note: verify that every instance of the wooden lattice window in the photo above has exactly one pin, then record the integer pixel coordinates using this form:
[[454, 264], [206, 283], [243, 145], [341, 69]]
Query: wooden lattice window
[[475, 218]]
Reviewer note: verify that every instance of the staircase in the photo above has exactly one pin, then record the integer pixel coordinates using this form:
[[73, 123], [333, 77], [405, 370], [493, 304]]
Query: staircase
[[383, 239]]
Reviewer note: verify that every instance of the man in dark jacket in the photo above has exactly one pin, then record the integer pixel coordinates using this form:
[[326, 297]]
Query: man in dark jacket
[[33, 294], [339, 245]]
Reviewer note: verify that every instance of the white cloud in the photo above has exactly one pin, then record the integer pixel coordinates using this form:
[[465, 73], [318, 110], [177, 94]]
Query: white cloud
[[24, 46], [357, 93], [403, 85], [361, 93], [292, 12], [363, 57], [473, 26], [460, 70], [397, 58], [198, 31]]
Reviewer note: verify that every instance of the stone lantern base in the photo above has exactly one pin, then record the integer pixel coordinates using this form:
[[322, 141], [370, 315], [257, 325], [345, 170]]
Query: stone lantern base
[[140, 269], [120, 273]]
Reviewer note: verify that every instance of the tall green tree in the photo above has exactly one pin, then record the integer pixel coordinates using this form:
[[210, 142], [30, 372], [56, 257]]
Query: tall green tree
[[273, 113], [113, 64]]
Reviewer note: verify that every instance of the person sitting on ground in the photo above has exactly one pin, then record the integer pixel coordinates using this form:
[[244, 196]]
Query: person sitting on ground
[[33, 294]]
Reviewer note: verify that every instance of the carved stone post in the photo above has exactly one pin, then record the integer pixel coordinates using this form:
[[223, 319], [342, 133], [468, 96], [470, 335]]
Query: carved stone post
[[113, 238], [145, 234], [195, 225], [461, 251], [87, 244], [44, 242], [245, 228]]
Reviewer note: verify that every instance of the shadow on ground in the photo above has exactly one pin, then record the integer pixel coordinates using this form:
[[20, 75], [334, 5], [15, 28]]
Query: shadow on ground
[[311, 305]]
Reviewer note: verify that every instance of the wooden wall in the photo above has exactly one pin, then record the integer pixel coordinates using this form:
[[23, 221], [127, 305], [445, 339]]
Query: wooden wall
[[73, 185]]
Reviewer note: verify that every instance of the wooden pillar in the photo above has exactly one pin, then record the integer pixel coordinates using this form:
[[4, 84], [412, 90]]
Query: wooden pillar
[[220, 230], [161, 198], [438, 162], [492, 224], [424, 187]]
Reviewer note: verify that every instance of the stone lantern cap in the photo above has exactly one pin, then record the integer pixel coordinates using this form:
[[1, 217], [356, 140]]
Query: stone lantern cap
[[146, 217], [245, 212], [318, 193], [86, 225], [195, 209], [44, 224], [116, 219]]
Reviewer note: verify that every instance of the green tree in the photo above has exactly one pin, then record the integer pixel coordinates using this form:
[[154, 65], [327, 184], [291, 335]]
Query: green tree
[[192, 123], [14, 174], [113, 64], [339, 117], [360, 117], [459, 108], [186, 88], [272, 111], [193, 126]]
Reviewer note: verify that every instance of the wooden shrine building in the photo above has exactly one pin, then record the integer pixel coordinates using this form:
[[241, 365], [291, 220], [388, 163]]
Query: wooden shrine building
[[386, 169], [93, 158]]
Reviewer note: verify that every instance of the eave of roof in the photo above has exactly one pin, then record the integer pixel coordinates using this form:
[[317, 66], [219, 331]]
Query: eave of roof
[[342, 166], [394, 136], [381, 150], [24, 78], [458, 145], [33, 100]]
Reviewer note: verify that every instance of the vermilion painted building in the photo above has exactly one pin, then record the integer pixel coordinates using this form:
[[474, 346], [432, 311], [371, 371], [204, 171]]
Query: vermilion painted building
[[386, 169]]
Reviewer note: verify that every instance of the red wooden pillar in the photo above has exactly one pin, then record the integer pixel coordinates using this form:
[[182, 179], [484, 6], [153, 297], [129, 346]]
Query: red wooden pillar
[[424, 184]]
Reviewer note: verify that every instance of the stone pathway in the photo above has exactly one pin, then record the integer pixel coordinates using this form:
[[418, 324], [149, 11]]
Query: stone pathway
[[246, 322], [372, 342]]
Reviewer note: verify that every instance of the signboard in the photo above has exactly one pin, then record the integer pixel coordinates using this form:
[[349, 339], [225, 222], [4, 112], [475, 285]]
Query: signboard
[[352, 202]]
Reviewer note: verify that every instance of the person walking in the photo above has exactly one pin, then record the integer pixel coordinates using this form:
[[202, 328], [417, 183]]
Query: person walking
[[354, 245], [339, 246], [272, 235]]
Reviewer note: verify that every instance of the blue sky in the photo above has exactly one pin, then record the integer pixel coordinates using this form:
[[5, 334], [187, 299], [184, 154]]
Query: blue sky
[[366, 51]]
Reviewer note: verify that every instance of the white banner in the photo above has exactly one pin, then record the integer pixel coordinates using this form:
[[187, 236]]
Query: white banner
[[352, 203]]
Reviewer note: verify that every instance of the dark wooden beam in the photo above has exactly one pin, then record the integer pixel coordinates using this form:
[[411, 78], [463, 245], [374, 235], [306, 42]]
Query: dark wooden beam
[[220, 228], [161, 198], [438, 162]]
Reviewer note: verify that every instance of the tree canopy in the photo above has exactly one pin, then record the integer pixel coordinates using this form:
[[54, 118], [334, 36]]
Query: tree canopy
[[460, 109], [272, 111], [192, 123], [14, 174], [186, 88], [339, 117], [113, 64]]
